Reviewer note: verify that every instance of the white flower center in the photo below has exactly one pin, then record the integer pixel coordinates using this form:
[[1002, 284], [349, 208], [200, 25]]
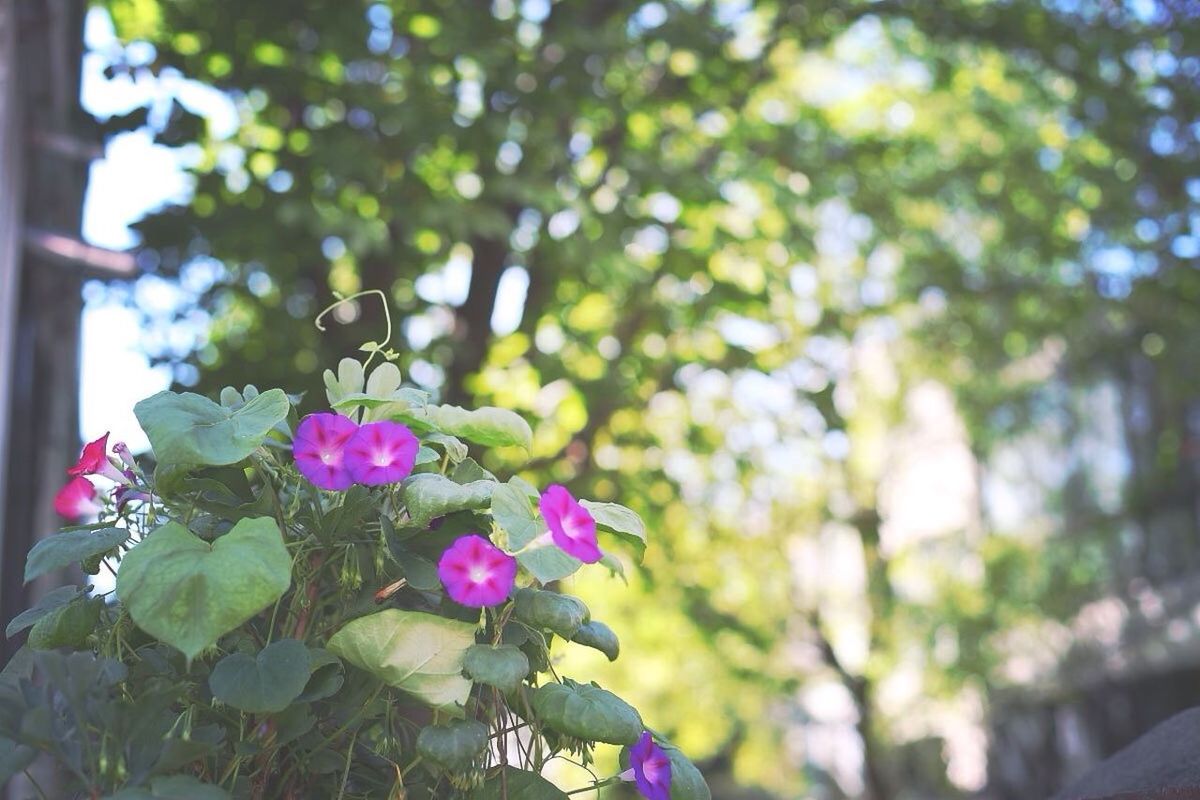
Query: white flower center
[[479, 574], [328, 457], [381, 458]]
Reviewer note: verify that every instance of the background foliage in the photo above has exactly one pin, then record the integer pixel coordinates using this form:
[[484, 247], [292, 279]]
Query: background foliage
[[883, 316]]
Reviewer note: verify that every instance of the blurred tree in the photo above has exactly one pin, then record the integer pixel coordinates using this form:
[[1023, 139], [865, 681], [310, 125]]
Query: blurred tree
[[712, 249]]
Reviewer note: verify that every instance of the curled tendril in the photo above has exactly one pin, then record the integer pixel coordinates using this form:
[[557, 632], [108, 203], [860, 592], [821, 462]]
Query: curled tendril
[[374, 348]]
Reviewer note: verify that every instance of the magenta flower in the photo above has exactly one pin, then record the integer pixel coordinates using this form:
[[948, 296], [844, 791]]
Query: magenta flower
[[94, 461], [381, 452], [319, 449], [651, 769], [476, 573], [571, 526], [76, 500]]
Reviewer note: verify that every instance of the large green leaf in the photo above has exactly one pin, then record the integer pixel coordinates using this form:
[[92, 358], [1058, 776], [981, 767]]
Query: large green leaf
[[618, 519], [188, 592], [503, 666], [190, 429], [560, 613], [547, 563], [510, 783], [513, 511], [429, 495], [587, 712], [70, 547], [598, 635], [267, 682], [46, 604], [454, 745], [489, 426], [419, 653]]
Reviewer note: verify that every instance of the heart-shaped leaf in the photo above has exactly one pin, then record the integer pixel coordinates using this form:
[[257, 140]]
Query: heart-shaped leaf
[[516, 784], [267, 682], [419, 653], [454, 745], [190, 429], [503, 666], [46, 604], [513, 511], [587, 712], [70, 547], [559, 613], [173, 787], [547, 563], [598, 635], [622, 521], [431, 495], [188, 592]]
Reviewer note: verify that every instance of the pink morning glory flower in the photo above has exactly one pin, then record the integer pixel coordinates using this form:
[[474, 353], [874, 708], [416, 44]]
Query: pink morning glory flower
[[77, 499], [650, 768], [476, 573], [94, 461], [571, 526], [381, 452], [319, 449]]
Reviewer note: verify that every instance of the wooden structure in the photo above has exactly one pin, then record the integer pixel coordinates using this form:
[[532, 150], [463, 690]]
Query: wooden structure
[[43, 174]]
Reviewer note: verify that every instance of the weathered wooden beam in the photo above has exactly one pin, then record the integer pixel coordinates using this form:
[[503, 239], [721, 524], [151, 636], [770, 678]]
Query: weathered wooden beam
[[71, 251], [67, 146]]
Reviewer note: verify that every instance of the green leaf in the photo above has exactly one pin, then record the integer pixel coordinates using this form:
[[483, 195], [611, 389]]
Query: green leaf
[[513, 512], [349, 380], [426, 455], [598, 635], [174, 787], [14, 757], [560, 613], [489, 426], [468, 471], [686, 781], [548, 563], [190, 429], [454, 745], [519, 784], [451, 445], [503, 666], [267, 682], [188, 592], [46, 604], [622, 521], [326, 675], [429, 495], [587, 712], [419, 653], [70, 547], [68, 625]]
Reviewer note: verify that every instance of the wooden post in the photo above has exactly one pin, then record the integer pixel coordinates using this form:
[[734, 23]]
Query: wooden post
[[41, 49]]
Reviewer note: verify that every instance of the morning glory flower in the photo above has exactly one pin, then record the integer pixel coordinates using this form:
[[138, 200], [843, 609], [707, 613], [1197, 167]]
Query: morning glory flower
[[319, 449], [650, 768], [93, 460], [381, 452], [122, 451], [476, 573], [571, 526], [77, 499], [123, 495]]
